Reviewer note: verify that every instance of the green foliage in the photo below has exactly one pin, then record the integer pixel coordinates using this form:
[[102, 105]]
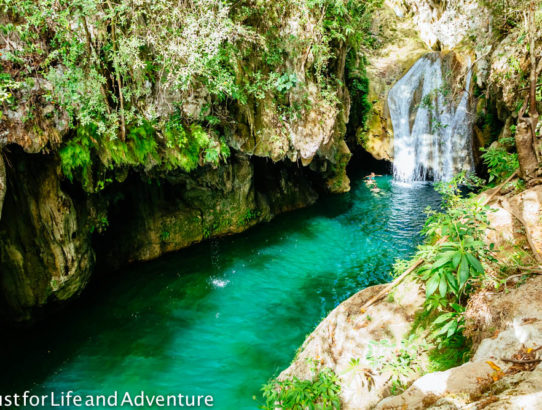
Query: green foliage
[[348, 21], [508, 14], [454, 354], [179, 148], [100, 224], [321, 392], [399, 361], [250, 215], [7, 85], [164, 235], [76, 155], [358, 86], [451, 190], [500, 162], [454, 267], [428, 101], [121, 74], [286, 82]]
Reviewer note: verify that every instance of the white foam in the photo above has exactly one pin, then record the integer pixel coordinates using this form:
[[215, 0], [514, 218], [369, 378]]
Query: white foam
[[430, 140]]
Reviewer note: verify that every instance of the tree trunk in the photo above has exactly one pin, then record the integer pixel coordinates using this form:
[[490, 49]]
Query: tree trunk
[[528, 164], [526, 142], [533, 112]]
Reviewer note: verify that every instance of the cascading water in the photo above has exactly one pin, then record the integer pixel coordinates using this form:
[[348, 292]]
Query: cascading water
[[432, 136]]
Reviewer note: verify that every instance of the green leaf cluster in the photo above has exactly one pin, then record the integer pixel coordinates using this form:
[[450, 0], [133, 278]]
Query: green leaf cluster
[[179, 148], [500, 160], [454, 268], [321, 392]]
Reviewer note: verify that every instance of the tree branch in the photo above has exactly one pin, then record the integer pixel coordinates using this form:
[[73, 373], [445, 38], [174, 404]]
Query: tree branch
[[498, 189], [397, 281]]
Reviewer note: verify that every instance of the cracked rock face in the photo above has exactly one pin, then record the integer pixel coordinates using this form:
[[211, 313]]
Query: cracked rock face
[[38, 214]]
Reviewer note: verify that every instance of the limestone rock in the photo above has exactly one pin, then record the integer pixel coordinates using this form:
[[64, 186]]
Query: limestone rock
[[400, 47], [346, 334], [462, 381], [443, 24], [186, 209], [515, 321], [518, 392], [45, 251], [505, 230]]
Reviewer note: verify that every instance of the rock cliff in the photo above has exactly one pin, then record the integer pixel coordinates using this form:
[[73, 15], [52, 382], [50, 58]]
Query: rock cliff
[[408, 29], [80, 195], [504, 371]]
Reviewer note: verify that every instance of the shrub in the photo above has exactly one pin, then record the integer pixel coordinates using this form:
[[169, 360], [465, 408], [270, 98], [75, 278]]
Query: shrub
[[321, 392], [500, 161], [455, 267]]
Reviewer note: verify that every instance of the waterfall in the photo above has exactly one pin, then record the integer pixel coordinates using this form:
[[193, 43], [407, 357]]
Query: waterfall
[[432, 135]]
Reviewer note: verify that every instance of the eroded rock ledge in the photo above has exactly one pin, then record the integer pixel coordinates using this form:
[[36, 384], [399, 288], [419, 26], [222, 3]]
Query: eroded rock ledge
[[54, 236]]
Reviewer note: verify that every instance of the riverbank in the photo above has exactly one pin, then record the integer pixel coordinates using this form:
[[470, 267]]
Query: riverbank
[[383, 358]]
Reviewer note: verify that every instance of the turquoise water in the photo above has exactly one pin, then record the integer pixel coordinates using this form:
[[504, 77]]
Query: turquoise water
[[223, 317]]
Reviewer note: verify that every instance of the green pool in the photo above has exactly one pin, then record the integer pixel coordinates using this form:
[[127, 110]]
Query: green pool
[[223, 317]]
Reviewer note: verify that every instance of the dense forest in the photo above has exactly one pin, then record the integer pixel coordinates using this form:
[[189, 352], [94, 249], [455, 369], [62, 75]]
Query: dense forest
[[132, 129]]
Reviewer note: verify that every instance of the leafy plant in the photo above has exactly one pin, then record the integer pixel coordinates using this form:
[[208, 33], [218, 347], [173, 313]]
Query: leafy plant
[[500, 162], [400, 361], [450, 323], [100, 225], [455, 353], [321, 392], [164, 235], [286, 82], [455, 266], [249, 216], [7, 85]]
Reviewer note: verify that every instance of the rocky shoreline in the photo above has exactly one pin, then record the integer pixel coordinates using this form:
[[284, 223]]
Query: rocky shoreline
[[504, 323]]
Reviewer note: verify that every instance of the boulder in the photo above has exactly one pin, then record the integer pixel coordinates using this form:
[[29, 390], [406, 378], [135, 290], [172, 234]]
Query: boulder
[[343, 341], [514, 321]]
